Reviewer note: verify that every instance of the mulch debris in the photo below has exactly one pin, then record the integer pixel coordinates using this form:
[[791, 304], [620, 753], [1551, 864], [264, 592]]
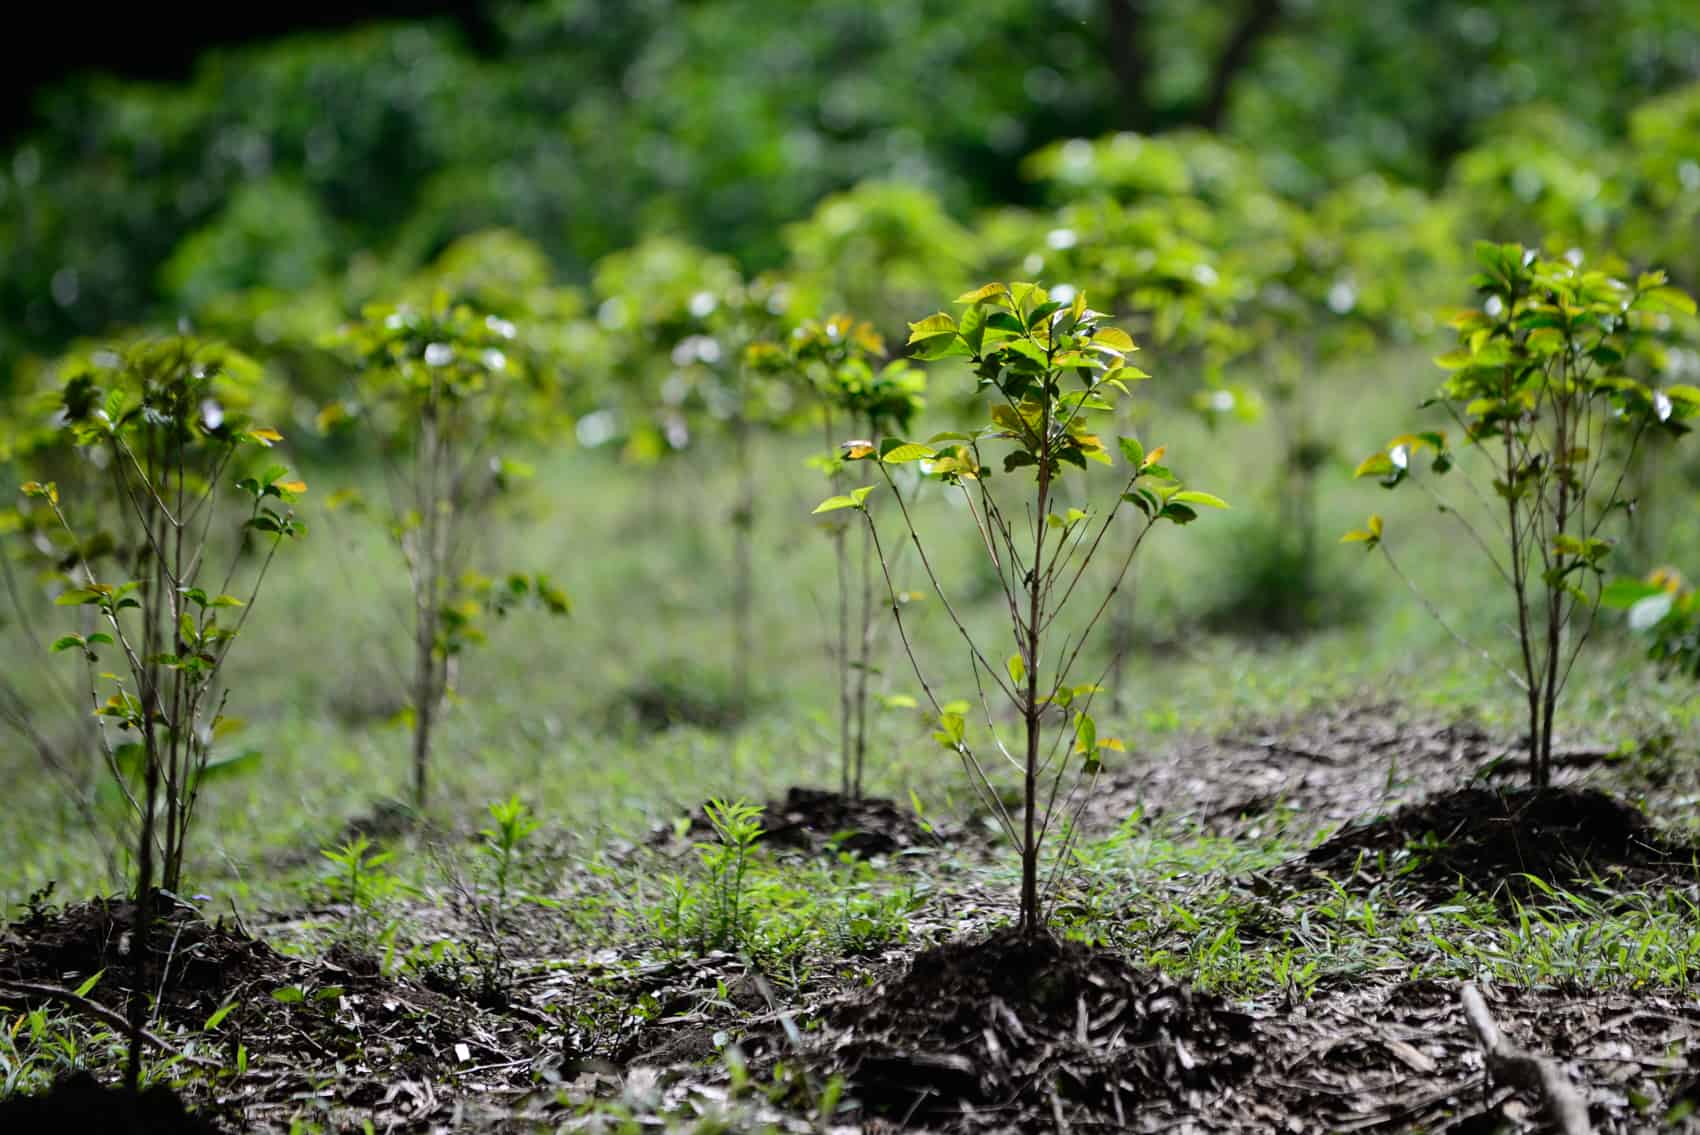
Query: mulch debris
[[1399, 1057], [1015, 1033], [1321, 768]]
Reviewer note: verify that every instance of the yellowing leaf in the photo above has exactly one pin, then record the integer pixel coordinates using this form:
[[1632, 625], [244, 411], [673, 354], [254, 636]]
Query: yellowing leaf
[[1375, 465], [980, 295], [265, 435], [932, 327], [1113, 337]]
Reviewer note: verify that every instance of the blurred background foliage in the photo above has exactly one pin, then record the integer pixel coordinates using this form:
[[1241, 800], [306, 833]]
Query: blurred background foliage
[[848, 141]]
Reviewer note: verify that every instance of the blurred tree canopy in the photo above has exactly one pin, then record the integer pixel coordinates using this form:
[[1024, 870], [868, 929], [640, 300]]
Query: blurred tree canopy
[[346, 161]]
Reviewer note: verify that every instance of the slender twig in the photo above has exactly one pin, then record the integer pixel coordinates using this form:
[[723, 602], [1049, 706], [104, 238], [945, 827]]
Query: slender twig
[[1564, 1105]]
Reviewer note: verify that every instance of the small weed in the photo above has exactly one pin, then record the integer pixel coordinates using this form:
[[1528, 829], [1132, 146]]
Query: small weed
[[358, 879]]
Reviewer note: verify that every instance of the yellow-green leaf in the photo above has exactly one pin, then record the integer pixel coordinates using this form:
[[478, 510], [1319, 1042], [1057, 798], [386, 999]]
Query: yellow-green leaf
[[1113, 337], [980, 295], [932, 327]]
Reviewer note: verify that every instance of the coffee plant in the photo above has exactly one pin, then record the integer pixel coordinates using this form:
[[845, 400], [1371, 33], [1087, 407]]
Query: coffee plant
[[679, 323], [1543, 389], [840, 360], [163, 426], [1045, 368], [438, 386]]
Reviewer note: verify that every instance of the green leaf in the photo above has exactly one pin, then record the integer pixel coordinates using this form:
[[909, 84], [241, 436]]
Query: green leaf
[[1666, 299], [220, 767], [218, 1017], [906, 452], [68, 642], [84, 989], [1177, 513], [1085, 734], [289, 994], [833, 504], [1624, 593], [1132, 450], [1375, 465], [1193, 496], [1017, 669]]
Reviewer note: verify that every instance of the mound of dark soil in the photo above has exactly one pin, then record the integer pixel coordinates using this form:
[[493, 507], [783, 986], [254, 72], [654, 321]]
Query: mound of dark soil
[[79, 1103], [1488, 837], [678, 694], [70, 944], [335, 1028], [815, 820], [1029, 1034]]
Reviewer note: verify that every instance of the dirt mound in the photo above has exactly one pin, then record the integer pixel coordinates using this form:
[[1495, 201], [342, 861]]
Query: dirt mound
[[1488, 838], [816, 820], [296, 1018], [1027, 1034], [80, 1103], [194, 957]]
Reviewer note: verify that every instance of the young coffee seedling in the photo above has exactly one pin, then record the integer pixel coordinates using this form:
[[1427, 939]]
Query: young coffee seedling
[[438, 387], [163, 422], [1542, 388], [1047, 368], [840, 360]]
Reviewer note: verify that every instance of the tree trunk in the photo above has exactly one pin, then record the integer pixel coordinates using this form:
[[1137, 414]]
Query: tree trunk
[[1256, 22], [1124, 45]]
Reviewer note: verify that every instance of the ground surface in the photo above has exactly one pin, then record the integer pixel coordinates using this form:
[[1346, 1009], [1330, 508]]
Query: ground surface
[[1247, 948]]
